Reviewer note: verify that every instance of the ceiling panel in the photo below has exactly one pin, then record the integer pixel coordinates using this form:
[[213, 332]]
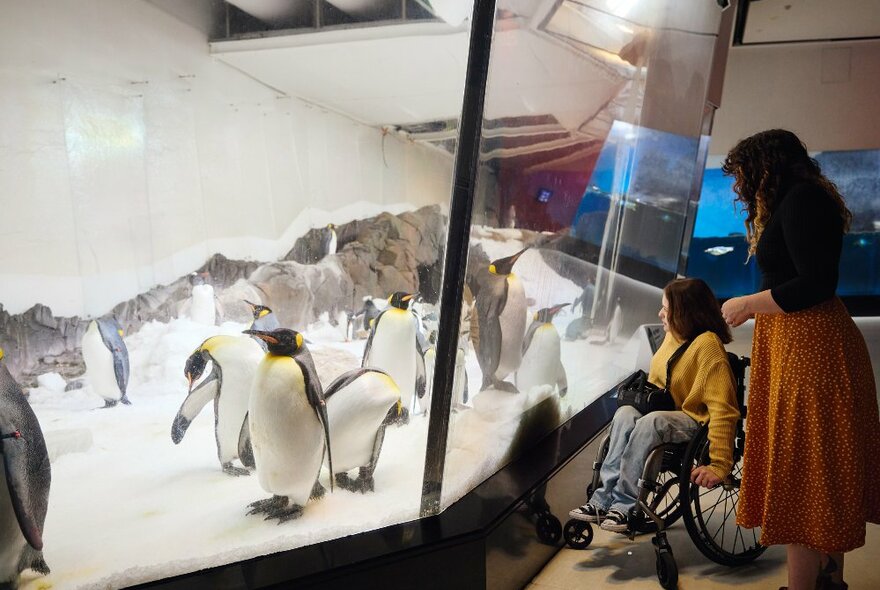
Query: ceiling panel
[[780, 21]]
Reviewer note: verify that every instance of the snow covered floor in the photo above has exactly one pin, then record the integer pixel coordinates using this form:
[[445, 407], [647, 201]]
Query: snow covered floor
[[128, 506]]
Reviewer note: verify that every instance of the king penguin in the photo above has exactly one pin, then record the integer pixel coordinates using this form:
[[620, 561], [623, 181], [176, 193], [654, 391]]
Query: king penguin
[[106, 358], [393, 346], [501, 313], [203, 309], [265, 320], [541, 362], [360, 404], [328, 240], [25, 477], [459, 383], [289, 427], [234, 361]]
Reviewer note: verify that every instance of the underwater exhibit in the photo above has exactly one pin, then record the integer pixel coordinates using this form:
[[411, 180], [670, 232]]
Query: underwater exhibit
[[220, 288]]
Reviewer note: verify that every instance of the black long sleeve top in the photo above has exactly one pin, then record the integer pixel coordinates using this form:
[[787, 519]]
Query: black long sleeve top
[[798, 252]]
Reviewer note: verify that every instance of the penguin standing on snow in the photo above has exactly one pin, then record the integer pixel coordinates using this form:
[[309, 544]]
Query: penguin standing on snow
[[459, 383], [106, 358], [265, 320], [501, 314], [616, 322], [234, 361], [203, 309], [328, 240], [25, 477], [393, 346], [289, 427], [360, 404], [541, 362]]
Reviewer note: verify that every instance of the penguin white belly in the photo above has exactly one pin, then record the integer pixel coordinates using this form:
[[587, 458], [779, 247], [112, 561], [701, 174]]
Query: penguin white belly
[[232, 403], [513, 328], [331, 248], [11, 540], [355, 413], [286, 435], [99, 364], [394, 351], [203, 310], [540, 363]]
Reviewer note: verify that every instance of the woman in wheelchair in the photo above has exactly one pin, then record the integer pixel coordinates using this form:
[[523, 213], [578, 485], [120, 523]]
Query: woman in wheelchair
[[703, 387]]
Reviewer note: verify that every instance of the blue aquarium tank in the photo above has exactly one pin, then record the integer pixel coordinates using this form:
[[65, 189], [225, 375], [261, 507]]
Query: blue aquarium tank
[[718, 251]]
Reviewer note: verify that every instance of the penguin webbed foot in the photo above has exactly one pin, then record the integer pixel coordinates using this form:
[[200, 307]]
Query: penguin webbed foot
[[40, 566], [109, 403], [318, 491], [291, 513], [362, 484], [268, 505], [125, 400], [230, 469]]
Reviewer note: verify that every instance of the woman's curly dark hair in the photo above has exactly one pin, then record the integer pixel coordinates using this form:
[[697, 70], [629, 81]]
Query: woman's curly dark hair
[[762, 165]]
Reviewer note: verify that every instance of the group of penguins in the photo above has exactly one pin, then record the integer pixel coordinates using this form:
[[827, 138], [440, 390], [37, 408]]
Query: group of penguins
[[271, 411]]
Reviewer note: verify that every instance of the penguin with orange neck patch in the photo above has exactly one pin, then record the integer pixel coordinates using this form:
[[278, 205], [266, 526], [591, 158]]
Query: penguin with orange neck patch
[[289, 428], [25, 477], [393, 346], [541, 362], [501, 313]]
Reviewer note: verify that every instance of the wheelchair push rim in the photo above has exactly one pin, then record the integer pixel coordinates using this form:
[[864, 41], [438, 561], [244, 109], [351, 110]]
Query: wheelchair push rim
[[710, 514]]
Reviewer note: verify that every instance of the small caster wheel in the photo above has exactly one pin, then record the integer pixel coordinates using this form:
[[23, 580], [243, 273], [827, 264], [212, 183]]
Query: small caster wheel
[[549, 529], [578, 534], [667, 570]]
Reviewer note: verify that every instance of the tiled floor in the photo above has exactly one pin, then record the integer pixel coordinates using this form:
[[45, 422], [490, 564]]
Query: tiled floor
[[613, 561]]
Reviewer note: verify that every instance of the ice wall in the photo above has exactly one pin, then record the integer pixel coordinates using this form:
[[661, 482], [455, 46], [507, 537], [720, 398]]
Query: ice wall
[[128, 156]]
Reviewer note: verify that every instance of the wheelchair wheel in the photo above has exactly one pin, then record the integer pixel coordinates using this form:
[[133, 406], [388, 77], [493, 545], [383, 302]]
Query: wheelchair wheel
[[549, 529], [666, 503], [578, 534], [667, 570], [710, 514]]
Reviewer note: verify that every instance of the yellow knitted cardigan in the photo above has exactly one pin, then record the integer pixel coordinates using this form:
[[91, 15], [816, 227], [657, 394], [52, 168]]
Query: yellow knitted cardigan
[[703, 387]]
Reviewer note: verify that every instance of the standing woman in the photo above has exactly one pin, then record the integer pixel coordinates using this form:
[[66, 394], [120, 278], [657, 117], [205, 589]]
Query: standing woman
[[811, 473]]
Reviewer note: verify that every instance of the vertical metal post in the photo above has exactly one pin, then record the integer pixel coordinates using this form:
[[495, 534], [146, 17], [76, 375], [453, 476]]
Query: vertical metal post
[[455, 259]]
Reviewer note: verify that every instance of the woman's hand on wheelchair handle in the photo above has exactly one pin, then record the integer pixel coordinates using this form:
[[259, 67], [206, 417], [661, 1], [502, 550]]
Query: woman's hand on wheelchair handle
[[705, 477]]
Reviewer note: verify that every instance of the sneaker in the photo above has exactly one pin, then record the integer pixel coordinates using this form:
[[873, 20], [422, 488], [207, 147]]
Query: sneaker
[[616, 522], [587, 513]]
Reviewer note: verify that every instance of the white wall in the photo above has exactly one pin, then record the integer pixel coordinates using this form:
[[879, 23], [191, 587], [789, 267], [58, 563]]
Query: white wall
[[128, 156], [826, 93]]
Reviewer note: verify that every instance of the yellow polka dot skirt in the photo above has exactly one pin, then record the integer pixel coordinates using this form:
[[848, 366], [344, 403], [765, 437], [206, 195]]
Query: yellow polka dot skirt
[[811, 467]]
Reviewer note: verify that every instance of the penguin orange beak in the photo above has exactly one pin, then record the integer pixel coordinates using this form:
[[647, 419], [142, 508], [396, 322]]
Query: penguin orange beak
[[252, 305], [265, 336], [406, 297], [189, 381]]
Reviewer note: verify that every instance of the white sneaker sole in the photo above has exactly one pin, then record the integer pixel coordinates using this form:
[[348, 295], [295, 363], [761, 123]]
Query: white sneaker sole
[[578, 515], [613, 527]]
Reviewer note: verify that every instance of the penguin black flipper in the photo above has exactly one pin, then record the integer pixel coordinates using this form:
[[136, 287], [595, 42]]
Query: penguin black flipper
[[245, 448], [347, 379], [315, 395], [195, 401], [533, 327], [25, 461], [489, 308], [366, 360]]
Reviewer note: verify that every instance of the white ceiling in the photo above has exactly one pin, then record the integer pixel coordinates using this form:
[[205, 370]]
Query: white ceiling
[[773, 21]]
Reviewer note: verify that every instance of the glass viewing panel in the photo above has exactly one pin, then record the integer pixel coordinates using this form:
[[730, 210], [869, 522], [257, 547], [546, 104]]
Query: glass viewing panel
[[590, 148], [162, 197]]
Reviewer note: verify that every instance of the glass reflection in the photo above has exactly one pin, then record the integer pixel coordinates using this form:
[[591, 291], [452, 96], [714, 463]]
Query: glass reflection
[[590, 154]]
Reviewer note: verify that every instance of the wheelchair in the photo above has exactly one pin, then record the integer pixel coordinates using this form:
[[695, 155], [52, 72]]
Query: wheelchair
[[666, 494]]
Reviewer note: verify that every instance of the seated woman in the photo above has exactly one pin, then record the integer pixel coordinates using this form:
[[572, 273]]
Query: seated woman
[[704, 390]]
